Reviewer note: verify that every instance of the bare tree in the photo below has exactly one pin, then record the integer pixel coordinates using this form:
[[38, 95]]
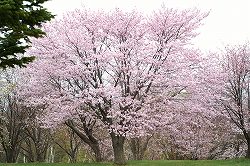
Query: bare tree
[[139, 146], [70, 145], [37, 139], [12, 127]]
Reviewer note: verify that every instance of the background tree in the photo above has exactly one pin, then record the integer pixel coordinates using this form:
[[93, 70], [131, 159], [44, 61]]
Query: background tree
[[224, 89], [37, 139], [19, 20], [236, 95], [70, 143], [138, 146], [12, 120]]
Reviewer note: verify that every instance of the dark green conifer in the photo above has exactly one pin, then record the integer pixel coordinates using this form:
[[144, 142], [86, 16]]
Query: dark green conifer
[[19, 20]]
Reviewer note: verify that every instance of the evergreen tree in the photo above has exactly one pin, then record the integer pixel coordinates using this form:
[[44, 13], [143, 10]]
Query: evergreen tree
[[19, 20]]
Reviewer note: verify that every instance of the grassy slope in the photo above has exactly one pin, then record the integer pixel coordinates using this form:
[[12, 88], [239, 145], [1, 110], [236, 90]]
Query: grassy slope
[[241, 162]]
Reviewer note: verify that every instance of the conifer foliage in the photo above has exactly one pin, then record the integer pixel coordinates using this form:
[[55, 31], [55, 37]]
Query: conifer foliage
[[19, 20]]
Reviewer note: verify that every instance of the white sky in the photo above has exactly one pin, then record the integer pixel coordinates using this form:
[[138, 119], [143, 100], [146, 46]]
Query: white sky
[[228, 22]]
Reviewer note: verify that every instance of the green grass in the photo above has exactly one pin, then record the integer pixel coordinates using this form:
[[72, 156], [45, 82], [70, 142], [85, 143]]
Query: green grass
[[239, 162]]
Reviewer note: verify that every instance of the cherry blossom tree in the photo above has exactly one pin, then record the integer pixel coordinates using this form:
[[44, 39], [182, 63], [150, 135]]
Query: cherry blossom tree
[[116, 70], [224, 91], [236, 94]]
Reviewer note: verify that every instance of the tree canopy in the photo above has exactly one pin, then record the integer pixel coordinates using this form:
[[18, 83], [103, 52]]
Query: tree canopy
[[118, 70], [19, 20]]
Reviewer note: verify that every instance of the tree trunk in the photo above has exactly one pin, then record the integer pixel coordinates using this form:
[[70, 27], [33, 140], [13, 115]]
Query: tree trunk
[[118, 149], [97, 151], [73, 154], [248, 149], [11, 156], [134, 149], [41, 157], [139, 146], [247, 137], [89, 139]]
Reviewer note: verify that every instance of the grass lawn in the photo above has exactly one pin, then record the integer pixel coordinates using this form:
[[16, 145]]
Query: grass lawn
[[239, 162]]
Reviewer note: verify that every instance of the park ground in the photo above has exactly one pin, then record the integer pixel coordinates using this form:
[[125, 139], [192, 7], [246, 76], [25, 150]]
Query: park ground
[[238, 162]]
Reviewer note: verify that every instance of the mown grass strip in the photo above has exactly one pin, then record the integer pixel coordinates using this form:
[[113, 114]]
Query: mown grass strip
[[238, 162]]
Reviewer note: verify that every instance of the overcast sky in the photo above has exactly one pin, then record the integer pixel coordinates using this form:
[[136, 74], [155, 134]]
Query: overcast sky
[[228, 22]]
